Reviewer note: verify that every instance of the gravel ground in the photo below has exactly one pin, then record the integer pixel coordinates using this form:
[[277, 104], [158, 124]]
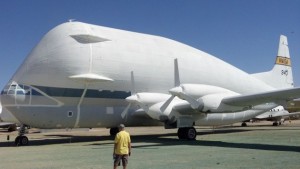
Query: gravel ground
[[259, 145]]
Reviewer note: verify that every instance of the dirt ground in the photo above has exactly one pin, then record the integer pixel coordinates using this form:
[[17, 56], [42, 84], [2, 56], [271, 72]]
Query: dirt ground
[[260, 145]]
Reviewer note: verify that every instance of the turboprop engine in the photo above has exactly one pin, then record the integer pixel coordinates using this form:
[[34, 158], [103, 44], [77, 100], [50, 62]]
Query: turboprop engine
[[205, 98], [147, 100], [192, 100]]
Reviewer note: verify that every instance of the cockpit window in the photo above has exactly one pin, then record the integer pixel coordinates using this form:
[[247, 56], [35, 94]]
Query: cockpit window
[[20, 92], [11, 92], [16, 89]]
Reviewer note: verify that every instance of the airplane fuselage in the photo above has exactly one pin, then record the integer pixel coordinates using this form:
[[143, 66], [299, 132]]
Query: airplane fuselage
[[54, 87]]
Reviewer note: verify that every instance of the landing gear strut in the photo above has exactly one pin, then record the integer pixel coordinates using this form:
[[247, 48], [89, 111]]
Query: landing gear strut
[[188, 133], [21, 139]]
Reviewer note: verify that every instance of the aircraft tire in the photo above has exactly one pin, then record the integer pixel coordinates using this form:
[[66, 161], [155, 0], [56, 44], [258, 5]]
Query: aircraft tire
[[24, 140], [244, 124], [21, 141], [17, 141], [180, 133], [113, 131], [191, 133], [188, 133]]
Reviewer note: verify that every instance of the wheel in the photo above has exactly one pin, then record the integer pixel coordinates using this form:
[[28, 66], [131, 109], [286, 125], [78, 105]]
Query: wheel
[[113, 131], [191, 133], [188, 133], [180, 133], [244, 124], [24, 140], [21, 141], [17, 141], [275, 124]]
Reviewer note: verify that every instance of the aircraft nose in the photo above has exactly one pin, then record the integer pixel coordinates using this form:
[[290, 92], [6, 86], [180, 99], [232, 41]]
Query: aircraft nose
[[13, 94]]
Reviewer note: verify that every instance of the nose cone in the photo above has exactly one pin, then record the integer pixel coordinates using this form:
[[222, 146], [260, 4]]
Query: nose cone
[[175, 91], [132, 98]]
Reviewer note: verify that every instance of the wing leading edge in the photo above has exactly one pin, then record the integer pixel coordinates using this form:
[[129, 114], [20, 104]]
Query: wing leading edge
[[276, 96]]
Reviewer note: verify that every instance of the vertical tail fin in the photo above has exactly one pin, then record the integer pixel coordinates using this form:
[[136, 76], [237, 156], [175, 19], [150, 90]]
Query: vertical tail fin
[[281, 76]]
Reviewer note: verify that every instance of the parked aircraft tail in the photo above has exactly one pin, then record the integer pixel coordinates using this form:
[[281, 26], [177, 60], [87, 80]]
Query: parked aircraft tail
[[281, 76]]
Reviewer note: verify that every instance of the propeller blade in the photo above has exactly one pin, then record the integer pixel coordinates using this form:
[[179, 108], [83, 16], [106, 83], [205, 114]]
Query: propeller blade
[[176, 84], [166, 104], [176, 73], [179, 92], [132, 98], [125, 111], [194, 103], [132, 84]]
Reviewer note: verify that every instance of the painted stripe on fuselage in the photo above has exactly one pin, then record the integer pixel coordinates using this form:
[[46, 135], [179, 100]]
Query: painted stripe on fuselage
[[69, 92]]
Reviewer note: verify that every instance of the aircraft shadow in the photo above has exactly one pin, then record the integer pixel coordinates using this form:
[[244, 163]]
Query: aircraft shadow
[[50, 139], [157, 140], [55, 139], [209, 143]]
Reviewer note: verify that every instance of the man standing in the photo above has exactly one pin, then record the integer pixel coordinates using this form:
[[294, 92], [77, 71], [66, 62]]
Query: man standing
[[122, 147]]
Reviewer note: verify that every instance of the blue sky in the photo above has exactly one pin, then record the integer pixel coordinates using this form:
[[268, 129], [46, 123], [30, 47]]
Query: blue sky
[[244, 33]]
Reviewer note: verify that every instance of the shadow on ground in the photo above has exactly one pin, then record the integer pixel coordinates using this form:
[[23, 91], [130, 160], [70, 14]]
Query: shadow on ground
[[156, 140]]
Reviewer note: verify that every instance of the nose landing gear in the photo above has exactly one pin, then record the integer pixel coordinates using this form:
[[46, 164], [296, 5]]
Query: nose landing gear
[[21, 139]]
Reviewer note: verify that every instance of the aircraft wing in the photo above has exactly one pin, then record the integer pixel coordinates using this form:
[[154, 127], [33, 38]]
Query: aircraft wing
[[276, 96], [292, 114], [276, 116], [5, 124]]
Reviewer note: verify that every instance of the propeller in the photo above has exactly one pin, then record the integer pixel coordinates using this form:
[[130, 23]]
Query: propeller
[[178, 91], [176, 84]]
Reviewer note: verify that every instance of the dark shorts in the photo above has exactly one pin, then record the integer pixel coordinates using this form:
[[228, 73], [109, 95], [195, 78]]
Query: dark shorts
[[118, 158]]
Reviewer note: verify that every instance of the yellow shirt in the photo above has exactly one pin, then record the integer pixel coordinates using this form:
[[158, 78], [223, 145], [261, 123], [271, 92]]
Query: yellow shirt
[[122, 141]]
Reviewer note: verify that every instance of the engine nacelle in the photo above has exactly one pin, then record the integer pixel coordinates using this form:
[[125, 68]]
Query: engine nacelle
[[205, 98], [147, 99], [167, 114], [200, 90], [213, 103], [156, 113]]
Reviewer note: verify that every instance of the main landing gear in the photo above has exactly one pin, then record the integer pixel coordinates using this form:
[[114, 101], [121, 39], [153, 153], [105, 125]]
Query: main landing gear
[[113, 131], [244, 124], [188, 133], [21, 139], [276, 123]]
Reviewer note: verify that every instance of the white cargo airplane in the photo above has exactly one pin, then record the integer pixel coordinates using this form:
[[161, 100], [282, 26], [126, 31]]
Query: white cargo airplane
[[278, 115], [85, 76]]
